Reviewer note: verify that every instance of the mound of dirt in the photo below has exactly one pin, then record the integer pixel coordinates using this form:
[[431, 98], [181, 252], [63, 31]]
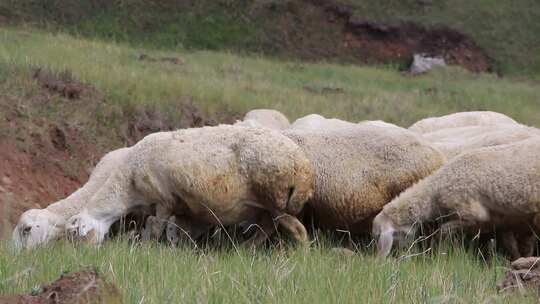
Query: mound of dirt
[[78, 288], [384, 42], [63, 84], [171, 60], [524, 273], [146, 120], [329, 30]]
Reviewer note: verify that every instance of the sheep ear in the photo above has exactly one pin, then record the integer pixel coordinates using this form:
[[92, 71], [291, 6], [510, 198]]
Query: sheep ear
[[384, 245]]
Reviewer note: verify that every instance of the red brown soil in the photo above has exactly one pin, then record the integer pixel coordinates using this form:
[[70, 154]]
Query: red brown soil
[[77, 287], [27, 182]]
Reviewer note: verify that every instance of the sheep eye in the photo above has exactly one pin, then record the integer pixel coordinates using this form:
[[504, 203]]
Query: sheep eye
[[26, 230]]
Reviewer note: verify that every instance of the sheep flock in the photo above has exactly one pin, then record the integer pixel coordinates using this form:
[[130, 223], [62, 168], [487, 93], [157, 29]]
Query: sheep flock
[[470, 173]]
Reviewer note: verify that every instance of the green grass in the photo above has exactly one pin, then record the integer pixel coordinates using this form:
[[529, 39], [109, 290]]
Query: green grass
[[160, 274], [225, 82], [506, 30]]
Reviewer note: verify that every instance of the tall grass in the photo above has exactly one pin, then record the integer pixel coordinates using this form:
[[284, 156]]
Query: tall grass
[[159, 274], [220, 81]]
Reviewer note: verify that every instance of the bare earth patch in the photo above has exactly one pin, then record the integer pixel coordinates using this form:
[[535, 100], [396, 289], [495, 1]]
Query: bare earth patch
[[78, 287], [524, 274]]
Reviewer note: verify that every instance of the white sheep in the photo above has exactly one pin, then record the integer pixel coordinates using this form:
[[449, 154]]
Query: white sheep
[[316, 122], [39, 226], [213, 175], [265, 118], [461, 119], [361, 167], [454, 141], [490, 187]]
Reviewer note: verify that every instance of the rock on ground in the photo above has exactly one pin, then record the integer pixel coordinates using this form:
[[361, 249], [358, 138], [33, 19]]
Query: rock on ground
[[82, 287], [422, 63], [524, 273]]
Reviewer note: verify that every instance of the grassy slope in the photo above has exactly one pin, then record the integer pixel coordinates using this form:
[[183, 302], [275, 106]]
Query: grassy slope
[[506, 30], [224, 82]]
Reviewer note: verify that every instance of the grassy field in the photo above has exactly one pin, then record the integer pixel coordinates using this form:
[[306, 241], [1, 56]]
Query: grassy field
[[506, 30], [225, 82], [160, 274]]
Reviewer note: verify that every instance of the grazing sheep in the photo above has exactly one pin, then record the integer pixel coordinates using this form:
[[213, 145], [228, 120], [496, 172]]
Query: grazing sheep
[[360, 168], [490, 187], [316, 122], [213, 176], [452, 143], [265, 118], [461, 119], [39, 226]]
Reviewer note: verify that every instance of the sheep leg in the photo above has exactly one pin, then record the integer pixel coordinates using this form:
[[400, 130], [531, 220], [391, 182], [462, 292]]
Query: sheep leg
[[265, 228], [511, 245], [182, 228], [294, 227], [147, 231], [456, 225], [162, 215], [527, 245], [155, 225]]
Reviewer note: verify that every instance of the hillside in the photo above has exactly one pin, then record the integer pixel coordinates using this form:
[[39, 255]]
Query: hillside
[[498, 36]]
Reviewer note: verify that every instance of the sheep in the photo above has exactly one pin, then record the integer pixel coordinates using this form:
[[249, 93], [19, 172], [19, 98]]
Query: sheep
[[316, 122], [219, 175], [488, 187], [265, 118], [461, 119], [360, 168], [452, 143], [39, 226]]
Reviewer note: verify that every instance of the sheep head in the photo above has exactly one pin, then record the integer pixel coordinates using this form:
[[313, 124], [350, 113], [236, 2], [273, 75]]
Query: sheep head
[[37, 227], [387, 232]]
